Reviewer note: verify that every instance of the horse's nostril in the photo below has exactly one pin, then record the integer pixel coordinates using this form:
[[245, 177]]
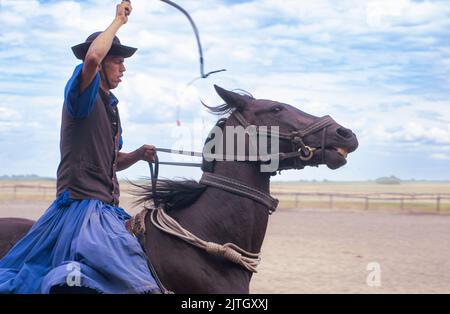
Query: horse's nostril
[[345, 133]]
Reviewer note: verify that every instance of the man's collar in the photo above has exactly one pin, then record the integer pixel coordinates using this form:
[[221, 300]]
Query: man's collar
[[114, 101], [111, 99]]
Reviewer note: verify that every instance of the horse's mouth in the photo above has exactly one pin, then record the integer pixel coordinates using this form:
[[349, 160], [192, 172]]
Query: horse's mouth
[[341, 151]]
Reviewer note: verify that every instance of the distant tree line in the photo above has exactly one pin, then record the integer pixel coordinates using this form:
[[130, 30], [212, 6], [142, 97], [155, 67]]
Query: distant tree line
[[23, 177], [388, 180]]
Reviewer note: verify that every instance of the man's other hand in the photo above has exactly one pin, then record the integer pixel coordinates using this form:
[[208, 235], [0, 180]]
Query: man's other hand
[[147, 153]]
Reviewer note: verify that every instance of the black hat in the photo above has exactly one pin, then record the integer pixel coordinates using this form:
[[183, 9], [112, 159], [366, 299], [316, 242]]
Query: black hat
[[117, 49]]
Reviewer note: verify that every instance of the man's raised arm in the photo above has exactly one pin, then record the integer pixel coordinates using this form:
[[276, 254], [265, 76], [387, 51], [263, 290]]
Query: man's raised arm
[[101, 45]]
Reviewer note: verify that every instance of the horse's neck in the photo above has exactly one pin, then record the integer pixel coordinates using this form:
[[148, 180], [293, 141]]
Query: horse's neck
[[243, 219], [245, 172]]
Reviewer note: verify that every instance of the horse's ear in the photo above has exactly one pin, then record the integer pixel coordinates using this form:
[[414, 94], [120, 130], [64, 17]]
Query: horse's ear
[[231, 98]]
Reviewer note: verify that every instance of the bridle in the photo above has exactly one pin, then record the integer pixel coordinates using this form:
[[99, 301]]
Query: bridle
[[296, 138]]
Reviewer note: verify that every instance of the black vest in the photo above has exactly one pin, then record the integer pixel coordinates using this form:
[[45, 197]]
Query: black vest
[[89, 149]]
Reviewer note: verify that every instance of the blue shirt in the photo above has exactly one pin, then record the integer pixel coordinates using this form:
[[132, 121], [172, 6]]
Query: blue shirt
[[79, 105]]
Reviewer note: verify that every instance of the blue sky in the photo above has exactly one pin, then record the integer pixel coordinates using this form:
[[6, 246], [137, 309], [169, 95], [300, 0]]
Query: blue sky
[[380, 68]]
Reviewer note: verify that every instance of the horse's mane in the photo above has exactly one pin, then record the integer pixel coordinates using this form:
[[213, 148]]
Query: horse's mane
[[171, 194], [221, 109], [176, 194], [228, 107]]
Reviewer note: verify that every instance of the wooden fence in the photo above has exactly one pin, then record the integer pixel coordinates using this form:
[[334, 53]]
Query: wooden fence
[[436, 202], [27, 191], [401, 199]]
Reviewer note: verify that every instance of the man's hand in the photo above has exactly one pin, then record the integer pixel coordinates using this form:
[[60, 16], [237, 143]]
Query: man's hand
[[123, 10], [147, 153]]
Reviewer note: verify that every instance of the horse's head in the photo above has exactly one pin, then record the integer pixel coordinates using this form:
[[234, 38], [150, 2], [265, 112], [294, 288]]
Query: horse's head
[[304, 139]]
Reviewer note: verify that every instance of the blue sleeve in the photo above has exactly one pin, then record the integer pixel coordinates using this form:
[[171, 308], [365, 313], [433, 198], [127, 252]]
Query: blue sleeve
[[121, 139], [79, 104]]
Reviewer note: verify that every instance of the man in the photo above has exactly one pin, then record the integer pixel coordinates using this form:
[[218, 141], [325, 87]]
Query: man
[[80, 244]]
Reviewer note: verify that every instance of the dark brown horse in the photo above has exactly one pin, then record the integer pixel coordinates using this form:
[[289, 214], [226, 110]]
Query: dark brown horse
[[219, 215], [11, 231]]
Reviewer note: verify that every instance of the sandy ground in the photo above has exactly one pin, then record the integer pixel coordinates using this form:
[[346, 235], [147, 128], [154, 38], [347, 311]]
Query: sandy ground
[[312, 251], [328, 251]]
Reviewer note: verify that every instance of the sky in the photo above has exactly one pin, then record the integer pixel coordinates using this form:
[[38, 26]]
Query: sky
[[380, 68]]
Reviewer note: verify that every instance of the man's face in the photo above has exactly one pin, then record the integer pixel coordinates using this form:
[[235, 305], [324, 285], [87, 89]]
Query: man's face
[[114, 69]]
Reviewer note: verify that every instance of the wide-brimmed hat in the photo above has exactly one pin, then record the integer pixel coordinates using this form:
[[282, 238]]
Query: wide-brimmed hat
[[117, 48]]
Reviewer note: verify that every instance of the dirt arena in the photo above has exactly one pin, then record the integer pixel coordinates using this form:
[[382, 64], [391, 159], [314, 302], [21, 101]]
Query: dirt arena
[[310, 251], [328, 251]]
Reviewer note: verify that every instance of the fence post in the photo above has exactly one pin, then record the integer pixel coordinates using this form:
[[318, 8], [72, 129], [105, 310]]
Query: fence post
[[438, 203], [402, 205], [15, 191], [367, 203], [296, 200]]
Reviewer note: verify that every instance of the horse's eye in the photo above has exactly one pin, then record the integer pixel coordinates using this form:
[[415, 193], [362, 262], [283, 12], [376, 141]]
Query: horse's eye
[[276, 109]]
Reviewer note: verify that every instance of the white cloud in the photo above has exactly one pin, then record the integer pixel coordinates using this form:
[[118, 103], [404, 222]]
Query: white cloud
[[385, 14], [8, 114], [414, 133], [441, 156], [378, 67]]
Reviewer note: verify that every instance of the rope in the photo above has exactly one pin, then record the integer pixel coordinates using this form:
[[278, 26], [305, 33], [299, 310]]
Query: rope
[[229, 251], [137, 224]]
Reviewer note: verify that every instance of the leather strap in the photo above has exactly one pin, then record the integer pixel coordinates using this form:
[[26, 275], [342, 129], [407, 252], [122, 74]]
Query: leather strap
[[239, 188]]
